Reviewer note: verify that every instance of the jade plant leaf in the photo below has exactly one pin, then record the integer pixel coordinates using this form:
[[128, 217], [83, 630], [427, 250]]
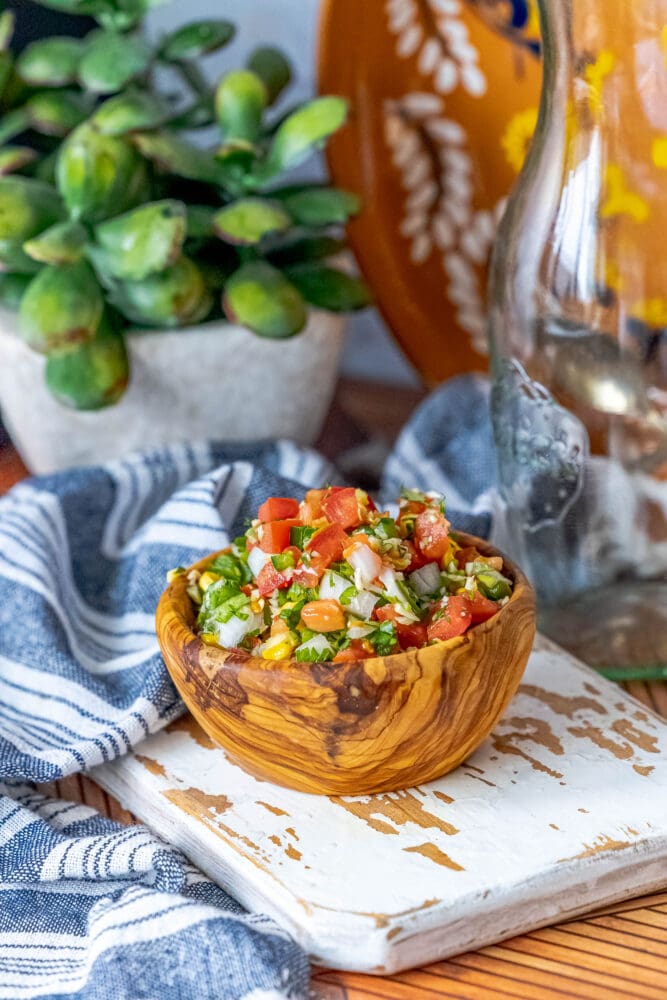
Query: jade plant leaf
[[6, 29], [273, 69], [13, 158], [174, 297], [143, 241], [200, 221], [98, 175], [260, 297], [6, 66], [59, 244], [27, 207], [12, 287], [302, 132], [62, 308], [111, 60], [237, 160], [197, 39], [53, 62], [329, 288], [94, 374], [176, 156], [12, 124], [240, 100], [130, 111], [57, 112], [246, 221], [321, 206]]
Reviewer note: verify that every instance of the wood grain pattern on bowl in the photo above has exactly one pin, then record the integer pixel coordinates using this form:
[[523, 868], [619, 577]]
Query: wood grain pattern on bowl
[[352, 728]]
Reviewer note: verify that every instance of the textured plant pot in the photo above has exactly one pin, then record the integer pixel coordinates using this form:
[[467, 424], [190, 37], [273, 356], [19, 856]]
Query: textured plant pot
[[214, 381]]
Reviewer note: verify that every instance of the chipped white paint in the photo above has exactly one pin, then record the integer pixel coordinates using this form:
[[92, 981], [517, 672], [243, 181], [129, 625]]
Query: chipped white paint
[[562, 809]]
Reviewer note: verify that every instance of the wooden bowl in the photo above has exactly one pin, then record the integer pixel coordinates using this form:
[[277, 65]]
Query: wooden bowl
[[373, 725]]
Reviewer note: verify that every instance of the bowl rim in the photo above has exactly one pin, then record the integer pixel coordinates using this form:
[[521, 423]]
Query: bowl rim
[[176, 603]]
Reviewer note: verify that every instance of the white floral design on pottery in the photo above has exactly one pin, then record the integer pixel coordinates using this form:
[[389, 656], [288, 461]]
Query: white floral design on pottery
[[436, 169], [433, 31]]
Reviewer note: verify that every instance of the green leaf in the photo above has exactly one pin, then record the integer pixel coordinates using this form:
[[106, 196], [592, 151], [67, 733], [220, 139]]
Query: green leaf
[[57, 112], [53, 62], [93, 375], [13, 158], [12, 124], [12, 287], [197, 39], [175, 297], [247, 220], [321, 206], [130, 111], [260, 297], [236, 160], [200, 221], [303, 132], [6, 66], [61, 308], [306, 248], [111, 60], [99, 175], [240, 100], [176, 156], [273, 69], [59, 244], [329, 288], [143, 241], [27, 207], [6, 29]]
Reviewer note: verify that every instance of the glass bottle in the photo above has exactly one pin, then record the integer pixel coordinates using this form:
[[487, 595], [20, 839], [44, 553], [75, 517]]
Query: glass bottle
[[578, 330]]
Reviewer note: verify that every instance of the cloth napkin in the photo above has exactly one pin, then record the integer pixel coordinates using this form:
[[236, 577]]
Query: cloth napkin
[[90, 908]]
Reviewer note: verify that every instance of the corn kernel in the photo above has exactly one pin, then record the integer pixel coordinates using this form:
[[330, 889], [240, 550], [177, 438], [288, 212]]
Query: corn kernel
[[206, 579], [210, 638], [280, 650]]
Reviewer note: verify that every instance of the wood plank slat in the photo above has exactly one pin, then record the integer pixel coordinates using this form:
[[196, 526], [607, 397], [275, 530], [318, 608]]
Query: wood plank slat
[[393, 988], [631, 930], [650, 917], [474, 971], [604, 949], [624, 906], [588, 967], [556, 979], [636, 947]]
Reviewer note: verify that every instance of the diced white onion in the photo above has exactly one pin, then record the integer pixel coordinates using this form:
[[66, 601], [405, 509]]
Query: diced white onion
[[393, 584], [318, 643], [362, 605], [360, 631], [366, 564], [257, 558], [333, 585], [230, 633], [425, 580]]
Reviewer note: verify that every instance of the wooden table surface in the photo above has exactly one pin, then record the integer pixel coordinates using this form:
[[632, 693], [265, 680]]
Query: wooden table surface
[[615, 954]]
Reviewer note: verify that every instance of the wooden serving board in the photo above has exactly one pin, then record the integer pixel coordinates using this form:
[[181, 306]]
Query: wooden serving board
[[563, 809]]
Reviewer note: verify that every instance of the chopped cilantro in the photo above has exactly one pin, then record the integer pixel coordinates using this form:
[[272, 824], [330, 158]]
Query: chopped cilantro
[[300, 536], [232, 568], [383, 639]]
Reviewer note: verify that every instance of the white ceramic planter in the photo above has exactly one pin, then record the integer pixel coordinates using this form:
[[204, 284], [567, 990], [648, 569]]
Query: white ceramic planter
[[215, 381]]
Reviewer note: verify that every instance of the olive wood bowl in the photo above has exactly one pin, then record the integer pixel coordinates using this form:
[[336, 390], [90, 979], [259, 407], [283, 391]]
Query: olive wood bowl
[[373, 725]]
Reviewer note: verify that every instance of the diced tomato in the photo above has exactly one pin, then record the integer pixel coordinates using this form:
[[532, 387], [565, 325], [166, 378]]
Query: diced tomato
[[310, 575], [432, 533], [466, 555], [329, 542], [355, 651], [452, 620], [278, 508], [342, 507], [418, 559], [481, 608], [311, 508], [270, 579], [323, 616], [412, 634], [276, 535]]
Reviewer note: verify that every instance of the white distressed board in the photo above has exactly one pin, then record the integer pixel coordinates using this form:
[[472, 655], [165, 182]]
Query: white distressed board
[[564, 808]]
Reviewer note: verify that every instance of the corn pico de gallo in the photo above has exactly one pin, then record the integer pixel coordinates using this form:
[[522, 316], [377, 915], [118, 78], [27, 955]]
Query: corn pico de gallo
[[332, 578]]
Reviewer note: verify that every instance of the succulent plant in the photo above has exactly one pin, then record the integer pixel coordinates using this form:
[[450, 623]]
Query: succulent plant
[[113, 214]]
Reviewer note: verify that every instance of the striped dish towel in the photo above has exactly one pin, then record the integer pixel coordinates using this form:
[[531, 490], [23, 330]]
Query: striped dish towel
[[89, 908]]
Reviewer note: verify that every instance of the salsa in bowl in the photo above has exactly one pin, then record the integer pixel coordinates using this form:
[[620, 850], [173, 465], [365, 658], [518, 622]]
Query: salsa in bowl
[[341, 649]]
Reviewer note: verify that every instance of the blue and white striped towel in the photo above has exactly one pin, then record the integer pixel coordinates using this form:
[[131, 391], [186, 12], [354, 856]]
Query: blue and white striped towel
[[88, 908]]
